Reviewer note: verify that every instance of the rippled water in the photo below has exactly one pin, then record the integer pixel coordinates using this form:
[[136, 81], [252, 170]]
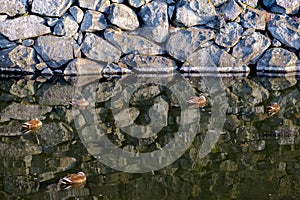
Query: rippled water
[[138, 138]]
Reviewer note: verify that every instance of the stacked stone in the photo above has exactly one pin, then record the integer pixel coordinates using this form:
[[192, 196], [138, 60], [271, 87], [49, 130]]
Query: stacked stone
[[115, 36]]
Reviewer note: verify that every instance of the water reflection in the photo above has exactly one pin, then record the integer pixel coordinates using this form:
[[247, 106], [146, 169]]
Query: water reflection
[[256, 155]]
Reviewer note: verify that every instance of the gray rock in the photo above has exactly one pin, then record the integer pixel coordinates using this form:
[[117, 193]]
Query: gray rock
[[276, 43], [149, 63], [66, 26], [3, 18], [195, 12], [229, 35], [96, 48], [138, 3], [183, 42], [81, 66], [13, 7], [98, 5], [28, 42], [23, 111], [231, 10], [51, 21], [112, 68], [51, 8], [218, 3], [93, 21], [24, 27], [47, 72], [123, 17], [250, 92], [132, 43], [155, 18], [24, 58], [253, 18], [4, 43], [286, 30], [252, 3], [54, 50], [213, 59], [76, 13], [278, 60], [283, 6], [5, 60], [249, 49], [117, 1]]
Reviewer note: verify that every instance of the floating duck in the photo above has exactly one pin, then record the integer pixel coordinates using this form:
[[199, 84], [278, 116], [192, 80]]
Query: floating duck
[[32, 124], [73, 181], [80, 103], [199, 101], [273, 108]]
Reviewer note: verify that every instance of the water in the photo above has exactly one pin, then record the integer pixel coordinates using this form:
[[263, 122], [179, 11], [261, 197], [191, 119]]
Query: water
[[142, 141]]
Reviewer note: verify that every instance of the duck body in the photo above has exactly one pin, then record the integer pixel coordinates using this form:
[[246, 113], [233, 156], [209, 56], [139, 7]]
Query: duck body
[[73, 179], [32, 124], [199, 101], [273, 108]]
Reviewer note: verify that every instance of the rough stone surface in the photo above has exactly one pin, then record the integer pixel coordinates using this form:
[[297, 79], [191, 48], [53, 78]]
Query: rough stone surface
[[283, 6], [132, 43], [13, 7], [252, 3], [249, 49], [155, 18], [182, 43], [195, 12], [66, 26], [23, 57], [44, 36], [4, 43], [285, 30], [229, 35], [278, 60], [112, 69], [123, 17], [5, 60], [24, 27], [212, 59], [149, 63], [51, 8], [93, 21], [98, 5], [218, 2], [47, 48], [76, 13], [138, 3], [81, 66], [253, 18], [96, 48], [231, 10]]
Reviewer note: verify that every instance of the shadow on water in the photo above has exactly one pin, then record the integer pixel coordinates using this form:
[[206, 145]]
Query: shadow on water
[[231, 148]]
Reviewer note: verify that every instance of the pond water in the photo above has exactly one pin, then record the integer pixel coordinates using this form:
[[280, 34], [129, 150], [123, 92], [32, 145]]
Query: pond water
[[137, 137]]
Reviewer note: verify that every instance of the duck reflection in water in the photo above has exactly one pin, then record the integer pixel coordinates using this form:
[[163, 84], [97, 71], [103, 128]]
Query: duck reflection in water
[[73, 181], [273, 109], [197, 101]]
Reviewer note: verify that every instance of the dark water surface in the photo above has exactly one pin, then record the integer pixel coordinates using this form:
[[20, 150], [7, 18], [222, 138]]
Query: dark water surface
[[229, 149]]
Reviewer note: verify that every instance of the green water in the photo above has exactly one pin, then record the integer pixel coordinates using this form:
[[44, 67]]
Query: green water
[[255, 156]]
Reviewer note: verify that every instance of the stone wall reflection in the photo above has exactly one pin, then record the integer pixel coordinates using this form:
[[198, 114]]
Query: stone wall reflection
[[255, 149]]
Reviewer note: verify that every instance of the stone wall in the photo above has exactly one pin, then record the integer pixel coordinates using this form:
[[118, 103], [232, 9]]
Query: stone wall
[[115, 36]]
